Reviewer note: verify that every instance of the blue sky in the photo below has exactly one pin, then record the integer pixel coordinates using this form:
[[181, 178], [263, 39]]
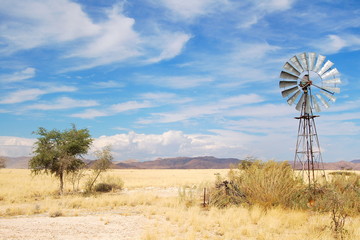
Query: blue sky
[[166, 78]]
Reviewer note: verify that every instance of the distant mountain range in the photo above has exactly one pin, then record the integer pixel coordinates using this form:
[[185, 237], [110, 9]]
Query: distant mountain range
[[182, 163], [204, 162], [356, 161]]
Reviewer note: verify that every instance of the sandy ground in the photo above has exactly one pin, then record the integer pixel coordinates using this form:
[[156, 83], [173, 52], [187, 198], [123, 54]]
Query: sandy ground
[[118, 224], [100, 227]]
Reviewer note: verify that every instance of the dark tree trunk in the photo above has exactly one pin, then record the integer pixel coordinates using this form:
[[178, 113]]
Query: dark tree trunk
[[61, 177]]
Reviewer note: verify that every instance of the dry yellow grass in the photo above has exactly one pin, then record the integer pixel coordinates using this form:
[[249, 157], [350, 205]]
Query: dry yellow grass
[[154, 194]]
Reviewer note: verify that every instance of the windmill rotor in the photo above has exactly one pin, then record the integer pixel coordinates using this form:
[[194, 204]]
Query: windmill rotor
[[309, 74]]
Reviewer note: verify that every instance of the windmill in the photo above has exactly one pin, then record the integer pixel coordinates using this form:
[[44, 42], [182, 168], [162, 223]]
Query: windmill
[[309, 83]]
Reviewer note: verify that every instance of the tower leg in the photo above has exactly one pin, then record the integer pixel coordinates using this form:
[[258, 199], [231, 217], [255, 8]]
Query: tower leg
[[308, 153]]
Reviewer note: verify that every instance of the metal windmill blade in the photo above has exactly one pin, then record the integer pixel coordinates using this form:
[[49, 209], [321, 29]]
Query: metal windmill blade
[[290, 68], [319, 62], [303, 61], [332, 89], [330, 73], [315, 104], [332, 81], [295, 62], [293, 98], [322, 100], [326, 67], [299, 105], [289, 91], [311, 60], [329, 96], [286, 75], [284, 84]]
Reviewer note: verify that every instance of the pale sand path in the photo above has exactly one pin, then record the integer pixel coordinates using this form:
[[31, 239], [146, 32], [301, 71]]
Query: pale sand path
[[100, 227]]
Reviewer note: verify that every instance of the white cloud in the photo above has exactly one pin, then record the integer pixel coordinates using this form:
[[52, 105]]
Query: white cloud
[[167, 144], [242, 100], [15, 146], [249, 52], [165, 98], [35, 23], [188, 10], [243, 63], [168, 44], [176, 82], [112, 109], [222, 107], [264, 111], [130, 105], [24, 95], [274, 5], [108, 84], [116, 40], [90, 114], [253, 11], [63, 103], [64, 24], [19, 76], [335, 43], [249, 21]]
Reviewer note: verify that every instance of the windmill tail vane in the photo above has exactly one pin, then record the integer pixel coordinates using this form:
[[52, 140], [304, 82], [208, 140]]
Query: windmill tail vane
[[310, 84]]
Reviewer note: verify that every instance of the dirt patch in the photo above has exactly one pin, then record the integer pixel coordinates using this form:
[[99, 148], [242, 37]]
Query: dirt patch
[[100, 227]]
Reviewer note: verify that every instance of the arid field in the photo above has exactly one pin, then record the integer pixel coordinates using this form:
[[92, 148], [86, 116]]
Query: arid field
[[154, 204]]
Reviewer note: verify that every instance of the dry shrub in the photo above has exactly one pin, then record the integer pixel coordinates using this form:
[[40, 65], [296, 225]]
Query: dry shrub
[[265, 184], [115, 182], [55, 213], [226, 194], [341, 198], [102, 187], [270, 184], [342, 190], [107, 184]]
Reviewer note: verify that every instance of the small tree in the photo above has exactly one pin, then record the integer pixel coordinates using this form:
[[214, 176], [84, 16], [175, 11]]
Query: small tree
[[75, 177], [101, 164], [2, 162], [59, 152]]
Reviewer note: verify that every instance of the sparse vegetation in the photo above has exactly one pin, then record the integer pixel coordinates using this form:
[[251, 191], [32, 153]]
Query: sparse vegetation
[[100, 165], [273, 184], [172, 200]]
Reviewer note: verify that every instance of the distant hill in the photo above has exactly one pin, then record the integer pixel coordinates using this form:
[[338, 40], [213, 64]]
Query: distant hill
[[17, 162], [341, 165], [356, 161], [206, 162]]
